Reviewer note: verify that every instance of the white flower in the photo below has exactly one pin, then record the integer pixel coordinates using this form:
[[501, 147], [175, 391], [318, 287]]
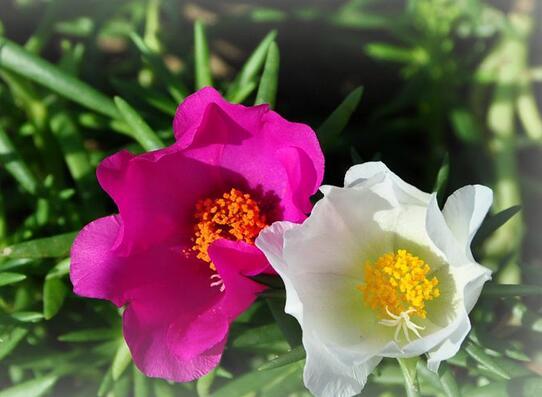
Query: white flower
[[378, 270]]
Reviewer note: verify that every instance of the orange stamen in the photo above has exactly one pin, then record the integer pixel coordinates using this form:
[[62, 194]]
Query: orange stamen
[[234, 216]]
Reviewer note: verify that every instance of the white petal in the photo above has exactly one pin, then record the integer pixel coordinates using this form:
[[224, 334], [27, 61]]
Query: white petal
[[468, 275], [333, 309], [477, 276], [450, 346], [442, 236], [328, 374], [362, 172], [432, 340], [271, 242], [464, 212], [339, 230]]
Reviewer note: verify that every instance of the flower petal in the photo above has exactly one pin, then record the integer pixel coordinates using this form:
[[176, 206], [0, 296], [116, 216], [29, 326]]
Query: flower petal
[[271, 242], [271, 153], [235, 261], [94, 267], [326, 375], [339, 229], [192, 339], [464, 212], [361, 172], [166, 321], [451, 345], [156, 193]]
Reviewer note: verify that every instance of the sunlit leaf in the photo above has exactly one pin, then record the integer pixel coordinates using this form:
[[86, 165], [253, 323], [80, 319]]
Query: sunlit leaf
[[32, 388], [267, 91], [48, 247], [7, 278], [202, 57], [294, 355]]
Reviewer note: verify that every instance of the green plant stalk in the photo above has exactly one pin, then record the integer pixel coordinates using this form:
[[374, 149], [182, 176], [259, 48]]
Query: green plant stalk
[[152, 26], [267, 91], [18, 60], [3, 220], [67, 134], [408, 369], [15, 165], [202, 57], [36, 111], [43, 33], [502, 147]]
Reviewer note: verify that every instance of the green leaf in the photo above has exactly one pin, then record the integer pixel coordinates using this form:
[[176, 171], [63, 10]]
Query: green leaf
[[54, 293], [48, 247], [152, 97], [267, 91], [89, 335], [18, 60], [162, 389], [10, 340], [256, 382], [494, 389], [7, 278], [449, 385], [269, 280], [261, 336], [28, 317], [141, 384], [204, 384], [337, 121], [465, 126], [273, 294], [408, 369], [505, 290], [70, 140], [176, 89], [32, 388], [287, 324], [141, 132], [121, 361], [60, 270], [488, 362], [106, 384], [11, 159], [247, 76], [243, 92], [441, 181], [294, 355], [202, 58], [494, 222], [390, 53]]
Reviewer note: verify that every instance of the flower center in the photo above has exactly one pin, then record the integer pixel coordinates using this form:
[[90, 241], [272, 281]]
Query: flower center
[[234, 216], [396, 285]]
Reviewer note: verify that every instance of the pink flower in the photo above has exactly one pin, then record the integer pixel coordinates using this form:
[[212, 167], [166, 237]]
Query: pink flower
[[179, 252]]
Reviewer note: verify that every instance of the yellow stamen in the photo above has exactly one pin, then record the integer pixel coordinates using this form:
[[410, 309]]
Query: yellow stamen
[[234, 216], [397, 283]]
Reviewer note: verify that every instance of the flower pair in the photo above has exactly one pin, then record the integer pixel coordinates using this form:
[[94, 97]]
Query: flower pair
[[377, 270]]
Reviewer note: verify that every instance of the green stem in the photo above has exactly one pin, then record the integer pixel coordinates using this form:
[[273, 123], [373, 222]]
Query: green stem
[[408, 369]]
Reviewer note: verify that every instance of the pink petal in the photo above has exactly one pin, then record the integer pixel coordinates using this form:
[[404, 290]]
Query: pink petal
[[94, 267], [271, 153], [167, 321], [156, 195], [235, 261]]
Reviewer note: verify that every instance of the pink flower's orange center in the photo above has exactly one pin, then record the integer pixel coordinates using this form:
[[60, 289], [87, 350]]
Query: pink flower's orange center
[[234, 216]]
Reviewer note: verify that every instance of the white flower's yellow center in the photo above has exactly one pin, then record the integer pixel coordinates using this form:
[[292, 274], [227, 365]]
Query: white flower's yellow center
[[396, 287]]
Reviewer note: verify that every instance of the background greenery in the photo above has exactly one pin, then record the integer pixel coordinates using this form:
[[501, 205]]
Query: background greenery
[[450, 96]]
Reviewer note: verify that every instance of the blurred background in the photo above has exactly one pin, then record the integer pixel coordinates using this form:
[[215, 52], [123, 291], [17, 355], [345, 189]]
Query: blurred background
[[451, 92]]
